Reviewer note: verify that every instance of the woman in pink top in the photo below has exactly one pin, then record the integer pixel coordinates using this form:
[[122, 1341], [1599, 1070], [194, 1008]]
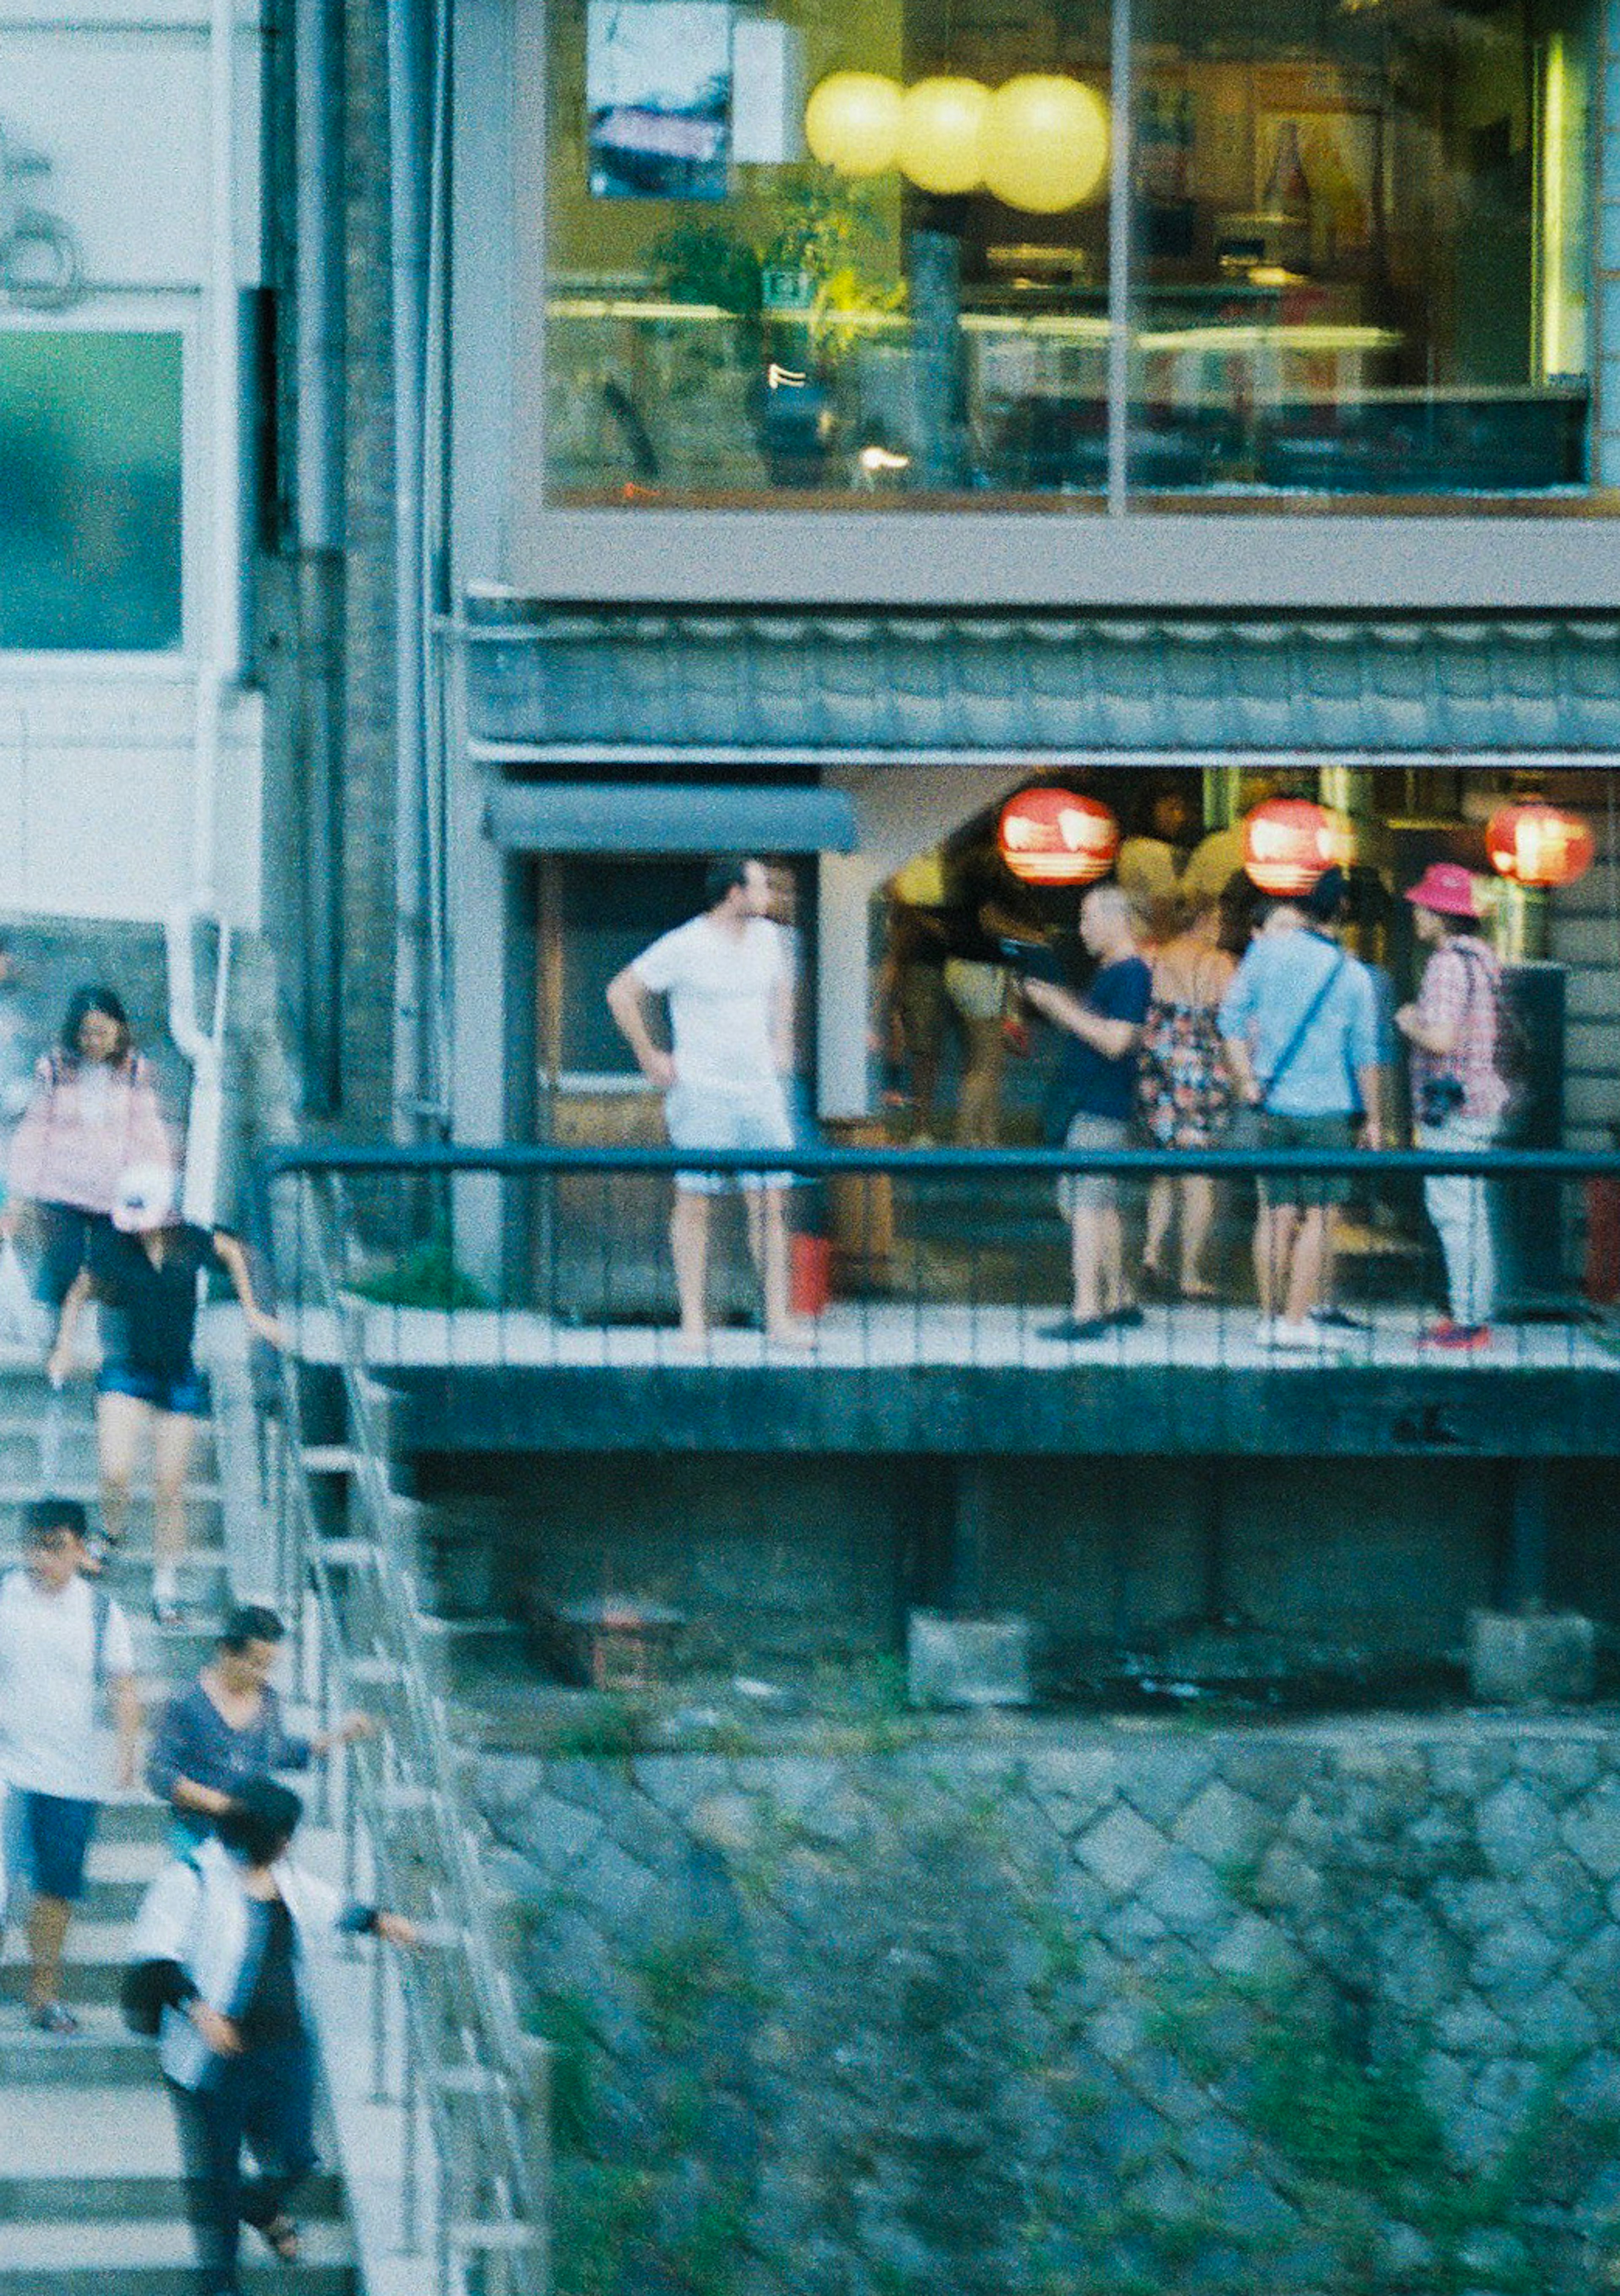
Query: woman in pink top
[[94, 1112]]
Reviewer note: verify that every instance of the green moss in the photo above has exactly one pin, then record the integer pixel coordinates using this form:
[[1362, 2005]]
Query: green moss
[[677, 1977], [564, 2018]]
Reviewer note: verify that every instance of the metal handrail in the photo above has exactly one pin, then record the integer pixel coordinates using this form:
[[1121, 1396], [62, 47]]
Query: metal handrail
[[483, 2081], [507, 1160]]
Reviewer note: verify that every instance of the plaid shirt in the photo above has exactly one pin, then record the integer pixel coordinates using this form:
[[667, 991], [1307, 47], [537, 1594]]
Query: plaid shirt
[[1462, 990]]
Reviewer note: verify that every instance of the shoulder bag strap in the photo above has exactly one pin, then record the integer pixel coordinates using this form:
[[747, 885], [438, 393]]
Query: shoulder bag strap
[[1280, 1067]]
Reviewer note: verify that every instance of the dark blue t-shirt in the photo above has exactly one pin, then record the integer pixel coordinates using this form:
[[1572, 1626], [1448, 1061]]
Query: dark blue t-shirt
[[1093, 1085]]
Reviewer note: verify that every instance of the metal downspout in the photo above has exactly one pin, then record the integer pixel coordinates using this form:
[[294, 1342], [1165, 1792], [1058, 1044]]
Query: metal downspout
[[222, 662], [408, 253], [221, 665], [318, 462], [435, 603]]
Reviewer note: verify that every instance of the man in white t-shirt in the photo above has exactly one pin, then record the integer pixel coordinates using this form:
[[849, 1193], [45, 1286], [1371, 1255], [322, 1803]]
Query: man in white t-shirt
[[64, 1646], [728, 978]]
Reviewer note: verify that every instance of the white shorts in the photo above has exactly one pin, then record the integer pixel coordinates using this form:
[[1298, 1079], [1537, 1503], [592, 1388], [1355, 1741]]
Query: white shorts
[[699, 1118]]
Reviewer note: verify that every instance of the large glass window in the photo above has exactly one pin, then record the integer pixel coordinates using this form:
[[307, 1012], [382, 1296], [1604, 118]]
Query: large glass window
[[90, 454], [729, 315], [865, 249], [1361, 246]]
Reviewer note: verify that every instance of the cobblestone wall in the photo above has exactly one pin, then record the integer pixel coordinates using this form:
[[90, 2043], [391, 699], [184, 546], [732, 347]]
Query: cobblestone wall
[[1071, 2009]]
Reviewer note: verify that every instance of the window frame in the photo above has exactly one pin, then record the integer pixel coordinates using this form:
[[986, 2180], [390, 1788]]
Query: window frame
[[122, 314], [1128, 548]]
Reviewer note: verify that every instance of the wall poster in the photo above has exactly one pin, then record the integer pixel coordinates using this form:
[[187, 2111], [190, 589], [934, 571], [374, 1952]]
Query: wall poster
[[658, 95]]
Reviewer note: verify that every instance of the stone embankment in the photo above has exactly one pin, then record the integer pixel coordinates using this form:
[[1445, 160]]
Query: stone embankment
[[1081, 2009]]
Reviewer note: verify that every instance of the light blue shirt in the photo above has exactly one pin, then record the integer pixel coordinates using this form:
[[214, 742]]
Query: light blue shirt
[[1273, 990]]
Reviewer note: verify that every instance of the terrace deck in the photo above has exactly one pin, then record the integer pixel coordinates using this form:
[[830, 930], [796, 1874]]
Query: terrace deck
[[884, 1377]]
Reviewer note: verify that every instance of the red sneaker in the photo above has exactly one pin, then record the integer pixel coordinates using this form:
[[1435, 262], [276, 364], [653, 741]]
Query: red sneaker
[[1457, 1339]]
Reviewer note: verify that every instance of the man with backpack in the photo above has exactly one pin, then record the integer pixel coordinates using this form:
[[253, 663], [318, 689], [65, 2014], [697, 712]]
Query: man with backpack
[[64, 1649], [1461, 1092]]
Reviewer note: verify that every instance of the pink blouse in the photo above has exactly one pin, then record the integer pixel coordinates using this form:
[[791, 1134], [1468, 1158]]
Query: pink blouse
[[77, 1134]]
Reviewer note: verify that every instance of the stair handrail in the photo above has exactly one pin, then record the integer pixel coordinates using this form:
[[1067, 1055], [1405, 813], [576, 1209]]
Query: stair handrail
[[483, 2080]]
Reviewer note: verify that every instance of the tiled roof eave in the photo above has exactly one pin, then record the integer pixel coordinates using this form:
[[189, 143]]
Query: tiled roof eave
[[610, 683]]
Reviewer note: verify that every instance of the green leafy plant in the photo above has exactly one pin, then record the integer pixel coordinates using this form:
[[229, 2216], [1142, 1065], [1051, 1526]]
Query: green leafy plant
[[426, 1276]]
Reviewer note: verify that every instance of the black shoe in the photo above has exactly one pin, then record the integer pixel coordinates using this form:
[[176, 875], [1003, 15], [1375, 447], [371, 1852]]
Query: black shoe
[[1127, 1319], [1075, 1327], [1340, 1319]]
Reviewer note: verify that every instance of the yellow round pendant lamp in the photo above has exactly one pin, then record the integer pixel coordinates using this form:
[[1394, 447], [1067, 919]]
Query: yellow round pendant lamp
[[852, 122], [1044, 143], [941, 123]]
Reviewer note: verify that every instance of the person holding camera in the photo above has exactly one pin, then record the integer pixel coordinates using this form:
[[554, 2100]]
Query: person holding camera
[[1460, 1093]]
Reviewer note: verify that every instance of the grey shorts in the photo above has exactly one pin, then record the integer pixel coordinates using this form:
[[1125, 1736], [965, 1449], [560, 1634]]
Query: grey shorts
[[1305, 1191], [697, 1118], [1093, 1192]]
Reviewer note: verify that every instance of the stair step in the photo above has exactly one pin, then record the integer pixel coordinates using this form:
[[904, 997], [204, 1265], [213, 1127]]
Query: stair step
[[155, 2257], [103, 2055], [125, 2154]]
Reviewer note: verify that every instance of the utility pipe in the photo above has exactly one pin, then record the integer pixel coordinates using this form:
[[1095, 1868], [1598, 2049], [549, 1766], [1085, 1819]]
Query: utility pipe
[[407, 281], [319, 467], [222, 660]]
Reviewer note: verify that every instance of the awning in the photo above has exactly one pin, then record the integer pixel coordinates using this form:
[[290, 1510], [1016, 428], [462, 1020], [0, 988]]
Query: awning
[[647, 818]]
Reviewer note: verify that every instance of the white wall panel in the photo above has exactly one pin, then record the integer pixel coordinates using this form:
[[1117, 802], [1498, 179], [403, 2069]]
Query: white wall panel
[[123, 118], [96, 798]]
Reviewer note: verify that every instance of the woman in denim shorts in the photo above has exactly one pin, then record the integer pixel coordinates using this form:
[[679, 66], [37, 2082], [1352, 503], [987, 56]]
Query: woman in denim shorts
[[144, 1272]]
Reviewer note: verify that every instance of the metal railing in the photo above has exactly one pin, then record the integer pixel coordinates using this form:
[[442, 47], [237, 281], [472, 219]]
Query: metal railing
[[469, 2077], [561, 1257]]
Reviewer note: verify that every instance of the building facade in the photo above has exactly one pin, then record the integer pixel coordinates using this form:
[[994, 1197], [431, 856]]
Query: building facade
[[131, 303], [848, 491]]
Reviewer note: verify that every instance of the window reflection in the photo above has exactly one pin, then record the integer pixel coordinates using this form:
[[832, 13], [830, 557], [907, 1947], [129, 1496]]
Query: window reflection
[[90, 444], [1362, 234], [1360, 239]]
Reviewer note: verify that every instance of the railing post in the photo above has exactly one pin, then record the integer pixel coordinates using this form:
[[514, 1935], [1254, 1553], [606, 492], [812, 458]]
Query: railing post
[[537, 2132]]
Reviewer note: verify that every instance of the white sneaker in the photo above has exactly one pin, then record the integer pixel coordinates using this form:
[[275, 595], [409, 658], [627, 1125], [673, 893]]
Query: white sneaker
[[1276, 1332]]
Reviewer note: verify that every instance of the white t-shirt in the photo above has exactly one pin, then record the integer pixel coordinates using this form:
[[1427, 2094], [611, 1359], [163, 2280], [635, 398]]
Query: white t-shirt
[[722, 990], [51, 1740]]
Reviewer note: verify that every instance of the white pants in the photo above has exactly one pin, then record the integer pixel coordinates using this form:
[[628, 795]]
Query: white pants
[[1463, 1211]]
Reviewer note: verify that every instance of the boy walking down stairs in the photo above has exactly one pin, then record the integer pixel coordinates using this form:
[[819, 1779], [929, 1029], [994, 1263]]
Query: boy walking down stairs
[[92, 2187]]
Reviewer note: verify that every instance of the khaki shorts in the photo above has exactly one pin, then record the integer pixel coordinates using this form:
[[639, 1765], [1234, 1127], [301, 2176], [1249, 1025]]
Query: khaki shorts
[[1093, 1192], [1305, 1191]]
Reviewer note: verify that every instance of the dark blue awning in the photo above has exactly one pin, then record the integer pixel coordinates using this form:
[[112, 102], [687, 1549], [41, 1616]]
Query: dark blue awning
[[646, 817]]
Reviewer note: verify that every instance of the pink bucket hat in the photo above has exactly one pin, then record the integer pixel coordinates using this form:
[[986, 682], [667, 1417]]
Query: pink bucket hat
[[1447, 889]]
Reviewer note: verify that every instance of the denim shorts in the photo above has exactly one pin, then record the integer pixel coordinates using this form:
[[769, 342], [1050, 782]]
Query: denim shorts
[[184, 1394], [698, 1118], [47, 1839]]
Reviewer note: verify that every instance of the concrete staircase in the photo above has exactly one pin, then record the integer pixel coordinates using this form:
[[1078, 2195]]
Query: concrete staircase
[[91, 2195]]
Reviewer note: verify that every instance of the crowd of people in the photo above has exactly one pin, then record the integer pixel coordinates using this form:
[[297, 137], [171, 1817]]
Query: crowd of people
[[92, 1188], [221, 1936], [1181, 1046], [1178, 1040]]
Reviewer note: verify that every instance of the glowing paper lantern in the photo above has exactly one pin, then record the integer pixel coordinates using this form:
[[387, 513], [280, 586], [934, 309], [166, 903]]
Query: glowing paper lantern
[[1539, 844], [941, 123], [1287, 843], [1054, 837], [851, 122], [1044, 143]]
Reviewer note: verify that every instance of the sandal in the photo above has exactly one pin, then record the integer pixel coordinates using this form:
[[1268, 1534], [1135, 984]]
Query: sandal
[[281, 2237]]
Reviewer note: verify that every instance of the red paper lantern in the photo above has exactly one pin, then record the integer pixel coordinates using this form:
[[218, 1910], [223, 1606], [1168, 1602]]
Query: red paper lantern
[[1539, 844], [1287, 843], [1054, 837]]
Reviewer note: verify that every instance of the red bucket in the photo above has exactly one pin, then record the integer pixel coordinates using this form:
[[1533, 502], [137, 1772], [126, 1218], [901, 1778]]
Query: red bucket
[[809, 1273]]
